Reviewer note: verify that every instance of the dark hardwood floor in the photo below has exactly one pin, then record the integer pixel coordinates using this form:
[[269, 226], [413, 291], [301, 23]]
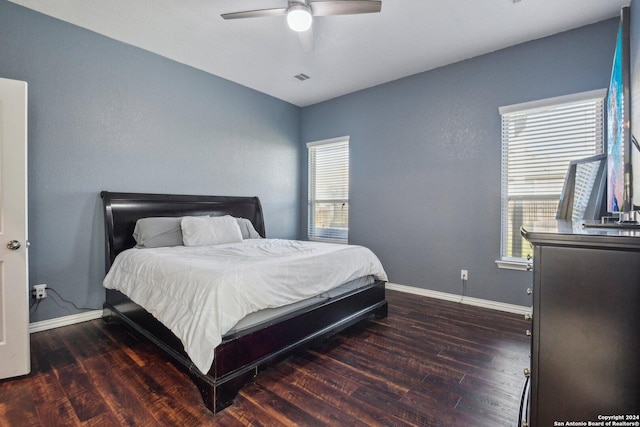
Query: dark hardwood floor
[[429, 363]]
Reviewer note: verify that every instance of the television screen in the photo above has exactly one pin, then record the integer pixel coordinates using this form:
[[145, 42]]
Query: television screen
[[635, 105], [618, 135]]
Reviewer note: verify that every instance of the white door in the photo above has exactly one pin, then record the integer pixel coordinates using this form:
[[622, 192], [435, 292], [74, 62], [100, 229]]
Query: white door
[[14, 291]]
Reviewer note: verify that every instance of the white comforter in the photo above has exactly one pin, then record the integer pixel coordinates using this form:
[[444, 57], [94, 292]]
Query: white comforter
[[202, 292]]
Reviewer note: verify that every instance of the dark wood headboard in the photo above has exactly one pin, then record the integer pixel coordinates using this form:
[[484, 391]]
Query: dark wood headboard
[[122, 210]]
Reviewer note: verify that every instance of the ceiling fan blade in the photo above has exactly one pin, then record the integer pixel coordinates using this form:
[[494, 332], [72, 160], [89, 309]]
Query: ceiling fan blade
[[344, 7], [255, 13], [306, 39]]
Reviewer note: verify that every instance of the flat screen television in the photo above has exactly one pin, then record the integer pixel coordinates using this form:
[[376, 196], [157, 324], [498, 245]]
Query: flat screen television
[[619, 189], [635, 105]]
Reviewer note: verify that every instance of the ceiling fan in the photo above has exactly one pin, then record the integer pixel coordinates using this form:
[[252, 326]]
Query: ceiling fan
[[300, 13]]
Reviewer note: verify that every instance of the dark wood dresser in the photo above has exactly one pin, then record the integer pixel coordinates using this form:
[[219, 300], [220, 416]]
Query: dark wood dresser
[[585, 353]]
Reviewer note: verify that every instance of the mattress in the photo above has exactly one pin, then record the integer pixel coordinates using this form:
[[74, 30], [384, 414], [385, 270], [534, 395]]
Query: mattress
[[260, 318], [201, 293]]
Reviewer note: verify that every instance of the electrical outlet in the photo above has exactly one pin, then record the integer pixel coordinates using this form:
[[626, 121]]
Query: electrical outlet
[[464, 274], [40, 291]]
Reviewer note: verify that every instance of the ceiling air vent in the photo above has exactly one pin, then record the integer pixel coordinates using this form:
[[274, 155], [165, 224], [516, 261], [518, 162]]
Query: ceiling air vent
[[302, 77]]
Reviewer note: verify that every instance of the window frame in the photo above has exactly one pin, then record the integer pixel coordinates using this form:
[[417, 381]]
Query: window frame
[[331, 234], [532, 108]]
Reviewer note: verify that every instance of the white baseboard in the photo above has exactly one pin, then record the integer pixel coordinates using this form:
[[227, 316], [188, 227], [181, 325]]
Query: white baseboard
[[58, 322], [493, 305]]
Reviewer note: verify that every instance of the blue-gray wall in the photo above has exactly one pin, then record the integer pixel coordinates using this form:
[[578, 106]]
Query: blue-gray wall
[[425, 150], [104, 115], [425, 158]]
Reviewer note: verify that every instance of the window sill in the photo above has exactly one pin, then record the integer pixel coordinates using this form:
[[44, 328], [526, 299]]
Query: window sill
[[327, 240], [514, 264]]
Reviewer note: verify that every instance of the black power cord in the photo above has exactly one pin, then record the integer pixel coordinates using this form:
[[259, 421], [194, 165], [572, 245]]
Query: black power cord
[[69, 302], [464, 290], [37, 302]]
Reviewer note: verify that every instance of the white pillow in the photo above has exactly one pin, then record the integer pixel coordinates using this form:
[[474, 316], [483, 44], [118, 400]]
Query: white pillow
[[215, 230]]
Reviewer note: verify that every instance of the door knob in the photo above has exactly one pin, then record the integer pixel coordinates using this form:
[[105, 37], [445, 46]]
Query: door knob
[[13, 245]]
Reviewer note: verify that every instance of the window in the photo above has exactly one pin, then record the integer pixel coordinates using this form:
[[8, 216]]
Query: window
[[539, 139], [329, 190]]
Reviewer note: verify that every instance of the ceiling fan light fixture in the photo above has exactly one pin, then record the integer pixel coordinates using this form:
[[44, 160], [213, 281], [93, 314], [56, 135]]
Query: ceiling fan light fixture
[[299, 17]]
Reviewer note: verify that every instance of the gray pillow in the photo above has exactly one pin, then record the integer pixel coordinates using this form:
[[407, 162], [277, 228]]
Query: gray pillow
[[247, 229], [155, 232]]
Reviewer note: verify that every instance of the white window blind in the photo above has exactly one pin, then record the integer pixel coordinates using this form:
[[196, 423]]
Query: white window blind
[[539, 139], [329, 190]]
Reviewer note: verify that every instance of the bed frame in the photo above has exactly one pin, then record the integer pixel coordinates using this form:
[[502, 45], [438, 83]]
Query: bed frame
[[240, 356]]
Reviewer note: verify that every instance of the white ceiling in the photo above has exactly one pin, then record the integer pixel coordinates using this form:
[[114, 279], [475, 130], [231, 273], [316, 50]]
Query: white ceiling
[[351, 52]]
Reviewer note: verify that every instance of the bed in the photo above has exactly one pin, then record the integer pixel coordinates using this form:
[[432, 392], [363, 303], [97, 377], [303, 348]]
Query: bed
[[257, 340]]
